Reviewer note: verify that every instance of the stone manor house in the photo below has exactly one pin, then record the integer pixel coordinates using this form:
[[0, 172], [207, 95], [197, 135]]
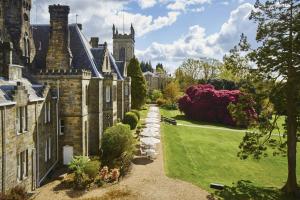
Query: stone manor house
[[58, 92]]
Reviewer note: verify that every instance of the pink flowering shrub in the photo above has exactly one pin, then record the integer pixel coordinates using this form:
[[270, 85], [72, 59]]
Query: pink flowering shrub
[[204, 103]]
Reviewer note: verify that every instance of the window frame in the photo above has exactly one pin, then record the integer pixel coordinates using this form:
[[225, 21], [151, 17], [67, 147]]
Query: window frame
[[107, 94]]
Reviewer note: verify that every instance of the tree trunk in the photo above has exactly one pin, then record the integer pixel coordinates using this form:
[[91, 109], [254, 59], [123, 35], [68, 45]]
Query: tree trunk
[[291, 94]]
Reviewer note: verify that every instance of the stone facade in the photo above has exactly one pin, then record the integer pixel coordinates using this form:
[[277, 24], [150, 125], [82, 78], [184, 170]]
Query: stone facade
[[156, 81], [72, 92]]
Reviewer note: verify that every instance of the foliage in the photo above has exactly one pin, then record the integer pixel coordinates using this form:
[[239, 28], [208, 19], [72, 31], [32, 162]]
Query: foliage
[[131, 119], [137, 113], [161, 101], [191, 71], [77, 165], [155, 94], [277, 59], [118, 145], [222, 84], [160, 68], [92, 168], [170, 106], [138, 84], [204, 103], [171, 92], [16, 193], [146, 66]]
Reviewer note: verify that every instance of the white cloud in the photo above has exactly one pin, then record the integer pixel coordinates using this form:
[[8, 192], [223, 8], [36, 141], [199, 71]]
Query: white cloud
[[146, 3], [98, 17], [182, 5], [196, 43]]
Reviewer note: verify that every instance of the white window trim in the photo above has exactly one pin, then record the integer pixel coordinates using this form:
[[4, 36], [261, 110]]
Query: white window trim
[[19, 177], [49, 112]]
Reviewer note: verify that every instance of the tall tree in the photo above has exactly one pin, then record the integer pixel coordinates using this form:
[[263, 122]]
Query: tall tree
[[160, 68], [146, 66], [277, 58], [138, 84]]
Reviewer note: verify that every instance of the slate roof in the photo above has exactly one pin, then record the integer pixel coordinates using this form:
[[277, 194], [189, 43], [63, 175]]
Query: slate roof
[[83, 57], [7, 89], [121, 66]]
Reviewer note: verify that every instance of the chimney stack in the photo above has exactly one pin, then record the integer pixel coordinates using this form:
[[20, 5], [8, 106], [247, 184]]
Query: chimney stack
[[59, 55], [94, 42]]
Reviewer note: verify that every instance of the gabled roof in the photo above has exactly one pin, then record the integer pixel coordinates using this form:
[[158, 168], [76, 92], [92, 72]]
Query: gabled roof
[[80, 48], [121, 67]]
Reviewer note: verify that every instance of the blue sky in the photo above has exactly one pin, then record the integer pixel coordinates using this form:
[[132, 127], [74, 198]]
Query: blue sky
[[168, 31]]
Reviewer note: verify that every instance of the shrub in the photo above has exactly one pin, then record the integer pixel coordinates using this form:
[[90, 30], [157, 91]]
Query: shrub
[[161, 102], [131, 119], [16, 193], [77, 165], [204, 103], [118, 145], [92, 169], [170, 106], [137, 113], [155, 94]]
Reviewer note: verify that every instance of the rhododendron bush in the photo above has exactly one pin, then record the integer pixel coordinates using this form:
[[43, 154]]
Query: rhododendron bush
[[205, 103]]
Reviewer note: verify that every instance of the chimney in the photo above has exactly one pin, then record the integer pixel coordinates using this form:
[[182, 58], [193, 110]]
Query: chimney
[[59, 55], [94, 42]]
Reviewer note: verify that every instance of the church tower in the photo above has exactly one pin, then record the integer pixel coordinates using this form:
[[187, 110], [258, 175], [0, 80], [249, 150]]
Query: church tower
[[123, 45]]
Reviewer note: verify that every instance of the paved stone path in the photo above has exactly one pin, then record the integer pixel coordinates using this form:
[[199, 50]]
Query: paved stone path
[[147, 181]]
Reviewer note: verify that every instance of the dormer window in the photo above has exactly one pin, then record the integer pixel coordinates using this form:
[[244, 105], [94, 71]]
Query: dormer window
[[25, 17]]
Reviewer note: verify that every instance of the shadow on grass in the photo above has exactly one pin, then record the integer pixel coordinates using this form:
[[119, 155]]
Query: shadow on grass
[[202, 123], [245, 190]]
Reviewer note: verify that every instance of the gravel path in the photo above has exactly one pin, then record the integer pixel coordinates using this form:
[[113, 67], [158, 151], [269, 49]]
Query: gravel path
[[147, 181]]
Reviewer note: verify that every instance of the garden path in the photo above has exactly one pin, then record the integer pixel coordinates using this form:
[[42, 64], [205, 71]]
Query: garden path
[[147, 181]]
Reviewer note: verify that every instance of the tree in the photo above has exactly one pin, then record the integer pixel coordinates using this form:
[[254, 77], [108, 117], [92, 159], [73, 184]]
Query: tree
[[172, 92], [146, 66], [277, 58], [160, 68], [138, 84], [191, 71]]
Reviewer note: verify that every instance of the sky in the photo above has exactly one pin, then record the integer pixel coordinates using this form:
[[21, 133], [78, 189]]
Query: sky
[[167, 31]]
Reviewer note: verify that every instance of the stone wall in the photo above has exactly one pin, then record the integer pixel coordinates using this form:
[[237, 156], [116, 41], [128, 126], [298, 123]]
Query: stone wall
[[127, 94], [95, 115], [110, 108], [120, 99]]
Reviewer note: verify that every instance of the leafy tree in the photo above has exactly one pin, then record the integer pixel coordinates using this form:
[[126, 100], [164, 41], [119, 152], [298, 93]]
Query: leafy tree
[[277, 59], [138, 84], [160, 68], [172, 92], [191, 71]]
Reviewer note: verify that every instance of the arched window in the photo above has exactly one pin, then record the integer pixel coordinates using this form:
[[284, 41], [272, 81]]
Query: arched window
[[26, 46], [122, 54], [106, 60]]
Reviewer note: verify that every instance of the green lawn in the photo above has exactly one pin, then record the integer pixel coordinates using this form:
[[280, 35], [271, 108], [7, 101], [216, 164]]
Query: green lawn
[[205, 155]]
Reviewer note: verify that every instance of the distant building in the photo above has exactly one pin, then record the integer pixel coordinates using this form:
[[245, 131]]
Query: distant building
[[156, 81], [58, 92]]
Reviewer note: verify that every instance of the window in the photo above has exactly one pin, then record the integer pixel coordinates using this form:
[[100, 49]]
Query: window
[[122, 54], [22, 165], [86, 95], [62, 126], [106, 60], [126, 90], [49, 148], [47, 112], [22, 119], [19, 177], [107, 94], [46, 151]]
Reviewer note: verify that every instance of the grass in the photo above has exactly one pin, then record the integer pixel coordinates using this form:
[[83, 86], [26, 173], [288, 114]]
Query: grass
[[206, 155]]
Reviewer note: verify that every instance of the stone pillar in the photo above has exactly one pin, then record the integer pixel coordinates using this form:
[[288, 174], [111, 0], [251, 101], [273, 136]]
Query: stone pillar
[[59, 54]]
